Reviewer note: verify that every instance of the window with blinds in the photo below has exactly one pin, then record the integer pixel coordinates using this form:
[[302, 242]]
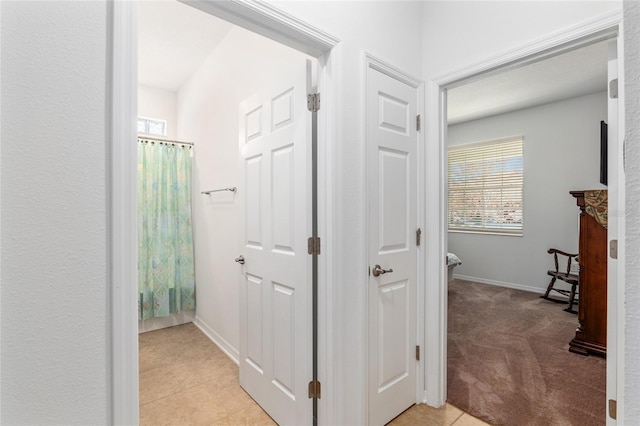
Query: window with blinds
[[486, 187]]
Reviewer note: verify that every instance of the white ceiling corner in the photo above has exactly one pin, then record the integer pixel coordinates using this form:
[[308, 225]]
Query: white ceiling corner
[[174, 39]]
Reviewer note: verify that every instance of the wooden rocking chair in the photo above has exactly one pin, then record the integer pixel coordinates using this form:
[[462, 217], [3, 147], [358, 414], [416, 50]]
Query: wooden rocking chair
[[566, 276]]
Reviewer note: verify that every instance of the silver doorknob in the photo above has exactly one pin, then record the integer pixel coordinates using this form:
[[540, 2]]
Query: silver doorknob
[[240, 259], [377, 271]]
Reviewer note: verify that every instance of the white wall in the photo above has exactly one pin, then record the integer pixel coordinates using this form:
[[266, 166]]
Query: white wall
[[631, 362], [208, 115], [561, 154], [160, 104], [54, 324]]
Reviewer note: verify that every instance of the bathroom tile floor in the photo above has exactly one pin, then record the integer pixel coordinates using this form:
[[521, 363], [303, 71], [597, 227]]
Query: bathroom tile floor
[[185, 379]]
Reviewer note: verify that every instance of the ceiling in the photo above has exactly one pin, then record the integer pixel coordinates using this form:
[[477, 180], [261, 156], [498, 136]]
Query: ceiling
[[174, 40], [576, 73]]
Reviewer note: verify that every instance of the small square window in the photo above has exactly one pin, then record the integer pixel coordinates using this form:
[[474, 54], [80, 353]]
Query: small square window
[[152, 126], [142, 125], [156, 128]]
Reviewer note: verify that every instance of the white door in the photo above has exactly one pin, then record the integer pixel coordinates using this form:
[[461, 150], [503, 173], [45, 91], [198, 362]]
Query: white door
[[392, 183], [275, 295], [615, 231]]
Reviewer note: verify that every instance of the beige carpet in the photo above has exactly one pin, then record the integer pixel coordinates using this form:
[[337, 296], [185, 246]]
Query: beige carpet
[[509, 362]]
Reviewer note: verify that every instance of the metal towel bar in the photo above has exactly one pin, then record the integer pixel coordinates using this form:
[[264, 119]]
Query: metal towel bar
[[232, 189]]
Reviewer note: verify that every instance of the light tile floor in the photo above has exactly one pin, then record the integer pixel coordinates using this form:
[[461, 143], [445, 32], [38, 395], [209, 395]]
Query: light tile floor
[[185, 379]]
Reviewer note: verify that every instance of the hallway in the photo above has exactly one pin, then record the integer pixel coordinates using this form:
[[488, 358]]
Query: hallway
[[185, 379]]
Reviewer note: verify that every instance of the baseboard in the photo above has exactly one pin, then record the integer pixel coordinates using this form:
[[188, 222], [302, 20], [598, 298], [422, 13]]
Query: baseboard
[[218, 340], [500, 283]]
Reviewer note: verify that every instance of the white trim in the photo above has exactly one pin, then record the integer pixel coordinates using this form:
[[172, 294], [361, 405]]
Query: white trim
[[380, 65], [364, 329], [0, 233], [123, 220], [576, 36], [435, 268], [503, 284], [601, 28], [328, 333], [269, 21], [422, 253], [620, 307], [616, 231], [218, 340], [392, 71]]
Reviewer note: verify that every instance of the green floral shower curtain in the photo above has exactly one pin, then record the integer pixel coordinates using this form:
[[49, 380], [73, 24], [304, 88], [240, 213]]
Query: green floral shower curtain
[[166, 282]]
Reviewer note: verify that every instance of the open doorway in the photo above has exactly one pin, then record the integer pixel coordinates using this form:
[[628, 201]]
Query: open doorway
[[507, 260], [195, 72]]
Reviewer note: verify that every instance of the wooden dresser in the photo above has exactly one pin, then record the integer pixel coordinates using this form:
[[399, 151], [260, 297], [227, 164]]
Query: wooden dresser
[[591, 334]]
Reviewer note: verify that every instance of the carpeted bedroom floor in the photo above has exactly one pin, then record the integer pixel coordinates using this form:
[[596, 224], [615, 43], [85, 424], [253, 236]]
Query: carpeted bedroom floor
[[509, 361]]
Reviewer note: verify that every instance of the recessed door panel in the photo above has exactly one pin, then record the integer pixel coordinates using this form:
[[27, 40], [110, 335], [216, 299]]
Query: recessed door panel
[[394, 200], [393, 114], [254, 322], [253, 124], [284, 338], [282, 110], [253, 215], [282, 192], [393, 306]]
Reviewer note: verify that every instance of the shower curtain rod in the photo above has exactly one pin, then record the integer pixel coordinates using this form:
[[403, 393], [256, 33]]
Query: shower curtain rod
[[165, 140]]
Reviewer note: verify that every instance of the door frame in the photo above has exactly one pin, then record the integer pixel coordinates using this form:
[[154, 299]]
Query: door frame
[[371, 61], [122, 79], [605, 27]]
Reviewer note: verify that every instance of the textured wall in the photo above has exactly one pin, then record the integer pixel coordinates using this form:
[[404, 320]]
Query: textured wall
[[54, 261], [632, 259]]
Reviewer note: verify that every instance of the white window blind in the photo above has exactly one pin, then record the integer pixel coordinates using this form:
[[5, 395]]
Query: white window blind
[[486, 187]]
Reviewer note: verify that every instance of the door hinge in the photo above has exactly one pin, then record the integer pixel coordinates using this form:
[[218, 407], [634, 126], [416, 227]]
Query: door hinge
[[613, 249], [314, 389], [417, 353], [418, 237], [613, 409], [313, 245], [313, 102], [418, 122], [613, 89]]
